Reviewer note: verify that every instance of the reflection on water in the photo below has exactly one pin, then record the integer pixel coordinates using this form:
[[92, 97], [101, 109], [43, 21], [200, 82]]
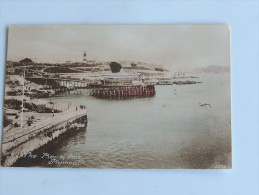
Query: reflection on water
[[168, 130]]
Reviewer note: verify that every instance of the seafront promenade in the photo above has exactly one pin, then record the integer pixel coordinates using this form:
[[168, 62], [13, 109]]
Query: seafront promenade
[[58, 118], [18, 141]]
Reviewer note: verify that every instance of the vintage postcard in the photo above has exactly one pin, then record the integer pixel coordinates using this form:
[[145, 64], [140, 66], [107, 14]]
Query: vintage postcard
[[117, 96]]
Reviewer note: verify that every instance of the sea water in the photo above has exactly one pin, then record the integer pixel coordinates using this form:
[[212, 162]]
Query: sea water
[[168, 130]]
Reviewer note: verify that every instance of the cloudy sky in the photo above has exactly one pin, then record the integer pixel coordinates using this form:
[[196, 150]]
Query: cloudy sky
[[173, 46]]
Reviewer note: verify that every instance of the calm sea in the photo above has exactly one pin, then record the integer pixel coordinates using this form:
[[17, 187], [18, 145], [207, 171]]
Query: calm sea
[[169, 130]]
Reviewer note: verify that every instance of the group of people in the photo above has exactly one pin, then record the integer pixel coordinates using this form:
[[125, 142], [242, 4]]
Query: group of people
[[81, 107], [30, 120]]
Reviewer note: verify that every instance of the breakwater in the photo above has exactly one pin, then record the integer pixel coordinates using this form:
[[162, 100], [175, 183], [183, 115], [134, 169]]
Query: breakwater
[[19, 143]]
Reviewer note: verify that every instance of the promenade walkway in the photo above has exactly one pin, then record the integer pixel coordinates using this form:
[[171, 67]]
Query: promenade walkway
[[45, 123]]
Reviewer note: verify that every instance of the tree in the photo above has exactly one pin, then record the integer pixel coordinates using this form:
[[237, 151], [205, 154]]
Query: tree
[[26, 61]]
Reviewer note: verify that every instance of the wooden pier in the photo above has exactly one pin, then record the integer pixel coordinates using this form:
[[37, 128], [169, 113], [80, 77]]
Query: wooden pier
[[107, 91]]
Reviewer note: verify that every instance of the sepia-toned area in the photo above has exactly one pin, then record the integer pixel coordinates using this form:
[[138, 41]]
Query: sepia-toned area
[[117, 96]]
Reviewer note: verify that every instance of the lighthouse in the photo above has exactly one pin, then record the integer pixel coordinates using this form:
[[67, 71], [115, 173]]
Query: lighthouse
[[84, 57]]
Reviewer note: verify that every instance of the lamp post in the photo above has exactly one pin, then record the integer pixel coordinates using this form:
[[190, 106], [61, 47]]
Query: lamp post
[[23, 95]]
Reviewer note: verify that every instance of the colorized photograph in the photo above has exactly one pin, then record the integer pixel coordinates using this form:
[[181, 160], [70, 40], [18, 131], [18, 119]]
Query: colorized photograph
[[117, 97]]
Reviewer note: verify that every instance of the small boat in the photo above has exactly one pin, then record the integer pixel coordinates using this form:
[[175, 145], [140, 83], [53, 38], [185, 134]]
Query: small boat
[[205, 104], [184, 82]]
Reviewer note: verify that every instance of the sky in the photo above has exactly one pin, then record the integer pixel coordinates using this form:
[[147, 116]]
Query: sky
[[183, 47]]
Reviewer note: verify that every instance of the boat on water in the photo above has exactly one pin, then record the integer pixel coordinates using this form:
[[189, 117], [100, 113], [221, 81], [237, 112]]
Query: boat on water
[[185, 82]]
